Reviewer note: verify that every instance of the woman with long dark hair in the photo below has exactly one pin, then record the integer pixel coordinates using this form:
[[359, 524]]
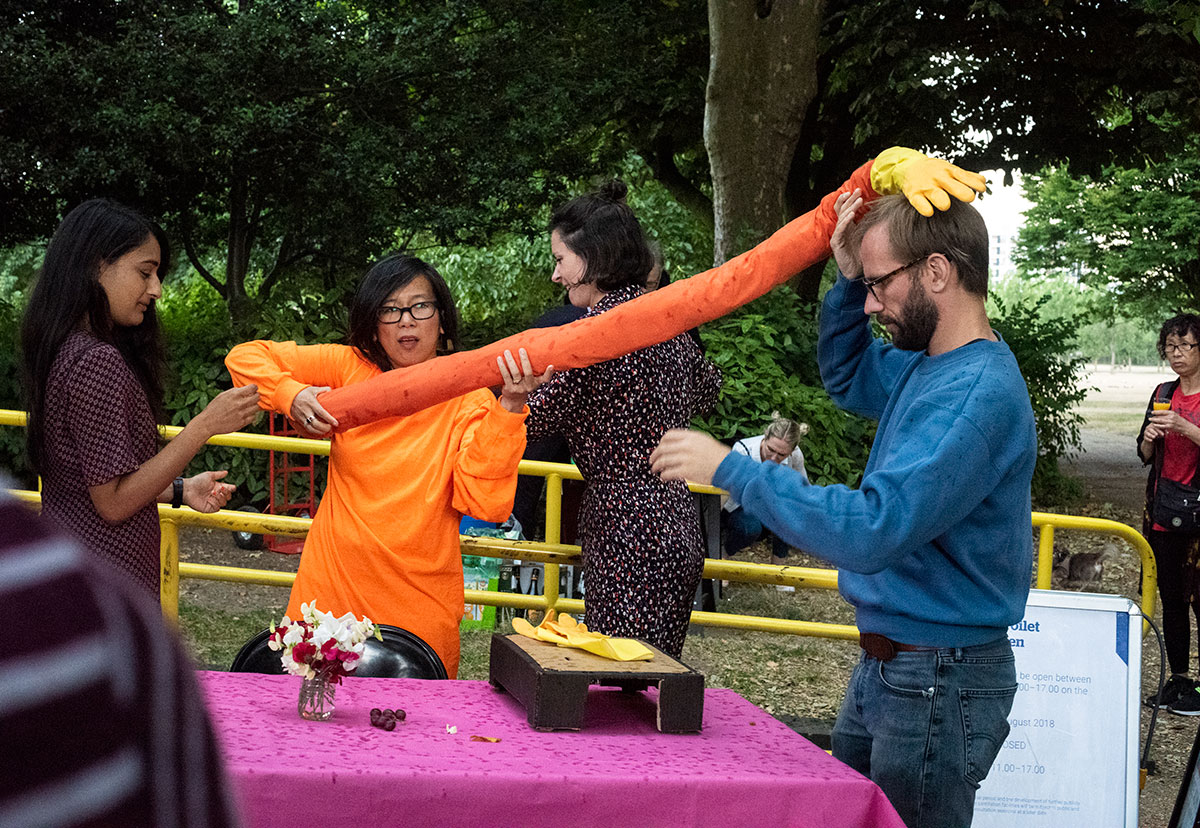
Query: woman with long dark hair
[[384, 542], [93, 366], [642, 548]]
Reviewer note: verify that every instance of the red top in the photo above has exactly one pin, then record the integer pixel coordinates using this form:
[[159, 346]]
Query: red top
[[1180, 454]]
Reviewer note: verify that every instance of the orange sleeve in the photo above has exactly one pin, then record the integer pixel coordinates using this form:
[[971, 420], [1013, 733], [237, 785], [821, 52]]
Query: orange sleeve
[[654, 317], [281, 370], [485, 468]]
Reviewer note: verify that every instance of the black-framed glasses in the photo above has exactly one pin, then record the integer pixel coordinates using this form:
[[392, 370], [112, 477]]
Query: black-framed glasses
[[1181, 347], [390, 314], [871, 284]]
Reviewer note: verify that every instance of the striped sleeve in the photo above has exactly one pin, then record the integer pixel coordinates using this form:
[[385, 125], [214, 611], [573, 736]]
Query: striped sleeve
[[102, 719]]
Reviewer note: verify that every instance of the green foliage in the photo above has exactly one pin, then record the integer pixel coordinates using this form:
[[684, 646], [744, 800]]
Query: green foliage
[[767, 355], [1129, 234], [500, 288], [1043, 346], [285, 137], [199, 334], [990, 82], [1101, 336], [16, 270]]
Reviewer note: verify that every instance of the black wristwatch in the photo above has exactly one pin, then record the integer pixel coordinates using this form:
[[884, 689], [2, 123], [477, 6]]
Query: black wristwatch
[[177, 493]]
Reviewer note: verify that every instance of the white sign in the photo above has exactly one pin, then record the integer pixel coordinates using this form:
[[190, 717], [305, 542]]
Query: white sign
[[1071, 758]]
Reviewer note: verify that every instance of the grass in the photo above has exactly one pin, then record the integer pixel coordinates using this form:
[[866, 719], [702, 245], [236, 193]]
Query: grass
[[1114, 418], [213, 637]]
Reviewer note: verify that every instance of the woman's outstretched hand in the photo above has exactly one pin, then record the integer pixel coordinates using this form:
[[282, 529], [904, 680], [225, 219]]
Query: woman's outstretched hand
[[231, 410], [519, 380], [205, 492]]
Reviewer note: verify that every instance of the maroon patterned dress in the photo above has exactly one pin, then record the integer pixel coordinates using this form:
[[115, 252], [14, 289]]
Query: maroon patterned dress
[[642, 548], [98, 427]]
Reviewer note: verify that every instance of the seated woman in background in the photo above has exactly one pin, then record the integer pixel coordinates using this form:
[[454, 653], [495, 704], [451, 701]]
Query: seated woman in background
[[384, 542], [777, 444], [93, 365], [642, 548]]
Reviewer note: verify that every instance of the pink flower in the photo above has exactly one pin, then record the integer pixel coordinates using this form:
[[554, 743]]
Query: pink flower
[[303, 651]]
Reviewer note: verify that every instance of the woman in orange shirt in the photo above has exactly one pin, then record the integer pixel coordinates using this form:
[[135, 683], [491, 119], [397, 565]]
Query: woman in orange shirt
[[384, 542]]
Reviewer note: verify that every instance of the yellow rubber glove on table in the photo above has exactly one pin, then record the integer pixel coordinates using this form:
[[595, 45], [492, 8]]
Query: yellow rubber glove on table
[[565, 631]]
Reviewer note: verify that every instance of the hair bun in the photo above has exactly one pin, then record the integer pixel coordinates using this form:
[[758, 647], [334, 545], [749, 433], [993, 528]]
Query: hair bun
[[614, 190]]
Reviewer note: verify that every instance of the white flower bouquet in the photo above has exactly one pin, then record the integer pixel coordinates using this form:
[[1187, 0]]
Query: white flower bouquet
[[321, 645]]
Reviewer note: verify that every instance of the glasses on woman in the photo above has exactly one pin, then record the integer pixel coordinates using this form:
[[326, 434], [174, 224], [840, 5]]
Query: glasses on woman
[[871, 284], [1181, 347], [390, 314]]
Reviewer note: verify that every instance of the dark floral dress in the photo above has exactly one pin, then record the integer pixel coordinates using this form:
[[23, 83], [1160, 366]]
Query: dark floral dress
[[98, 427], [642, 548]]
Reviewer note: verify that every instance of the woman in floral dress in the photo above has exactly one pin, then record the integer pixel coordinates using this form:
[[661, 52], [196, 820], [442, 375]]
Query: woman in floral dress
[[642, 548]]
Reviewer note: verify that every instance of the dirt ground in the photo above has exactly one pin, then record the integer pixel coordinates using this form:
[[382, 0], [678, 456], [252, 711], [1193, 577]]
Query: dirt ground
[[1113, 480], [210, 546]]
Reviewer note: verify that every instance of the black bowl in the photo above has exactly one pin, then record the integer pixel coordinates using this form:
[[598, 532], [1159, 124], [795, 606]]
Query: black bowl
[[399, 655]]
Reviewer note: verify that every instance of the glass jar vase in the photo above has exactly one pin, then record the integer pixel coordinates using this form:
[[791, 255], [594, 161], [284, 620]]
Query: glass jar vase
[[316, 698]]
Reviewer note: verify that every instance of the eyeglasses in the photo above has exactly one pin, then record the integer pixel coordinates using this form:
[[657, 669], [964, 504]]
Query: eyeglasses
[[1182, 347], [871, 284], [390, 314]]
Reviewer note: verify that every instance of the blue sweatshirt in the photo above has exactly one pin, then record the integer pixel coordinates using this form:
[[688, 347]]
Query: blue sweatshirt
[[935, 544]]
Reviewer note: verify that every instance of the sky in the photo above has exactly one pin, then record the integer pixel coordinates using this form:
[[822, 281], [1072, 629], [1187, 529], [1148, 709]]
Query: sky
[[1002, 208]]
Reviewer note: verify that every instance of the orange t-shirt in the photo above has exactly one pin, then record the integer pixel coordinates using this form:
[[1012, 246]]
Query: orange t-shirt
[[384, 542]]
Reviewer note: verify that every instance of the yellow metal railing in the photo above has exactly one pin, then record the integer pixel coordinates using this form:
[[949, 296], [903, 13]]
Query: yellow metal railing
[[554, 554]]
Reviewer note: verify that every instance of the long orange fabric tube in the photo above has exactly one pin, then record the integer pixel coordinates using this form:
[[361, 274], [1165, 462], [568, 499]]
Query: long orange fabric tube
[[654, 317]]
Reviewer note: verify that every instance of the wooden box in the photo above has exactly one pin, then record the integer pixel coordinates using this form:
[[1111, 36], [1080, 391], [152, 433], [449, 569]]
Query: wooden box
[[552, 683]]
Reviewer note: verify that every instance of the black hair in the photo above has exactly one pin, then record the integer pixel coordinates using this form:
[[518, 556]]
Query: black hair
[[385, 277], [67, 294], [1181, 325], [602, 230]]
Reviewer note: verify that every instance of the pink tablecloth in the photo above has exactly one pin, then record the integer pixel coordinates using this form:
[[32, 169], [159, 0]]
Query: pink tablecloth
[[745, 768]]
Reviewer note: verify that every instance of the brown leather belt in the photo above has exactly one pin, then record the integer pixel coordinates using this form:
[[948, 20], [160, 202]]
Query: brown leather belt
[[883, 648]]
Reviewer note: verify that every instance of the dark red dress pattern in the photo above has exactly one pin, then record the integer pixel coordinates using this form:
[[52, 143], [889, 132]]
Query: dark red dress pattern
[[98, 427], [642, 548]]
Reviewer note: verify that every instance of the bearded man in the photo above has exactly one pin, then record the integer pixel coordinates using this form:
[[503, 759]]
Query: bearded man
[[934, 545]]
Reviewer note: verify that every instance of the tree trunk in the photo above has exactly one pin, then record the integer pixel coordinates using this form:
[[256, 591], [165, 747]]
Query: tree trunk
[[762, 76], [237, 259]]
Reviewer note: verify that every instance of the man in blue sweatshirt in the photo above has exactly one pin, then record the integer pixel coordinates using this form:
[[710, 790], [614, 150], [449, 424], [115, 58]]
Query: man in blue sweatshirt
[[935, 544]]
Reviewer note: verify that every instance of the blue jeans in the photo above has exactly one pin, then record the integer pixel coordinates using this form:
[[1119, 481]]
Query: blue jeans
[[745, 529], [926, 727]]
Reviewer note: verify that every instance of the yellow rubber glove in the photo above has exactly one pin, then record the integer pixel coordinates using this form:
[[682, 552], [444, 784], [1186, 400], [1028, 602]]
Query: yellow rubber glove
[[566, 632], [618, 649], [926, 182]]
